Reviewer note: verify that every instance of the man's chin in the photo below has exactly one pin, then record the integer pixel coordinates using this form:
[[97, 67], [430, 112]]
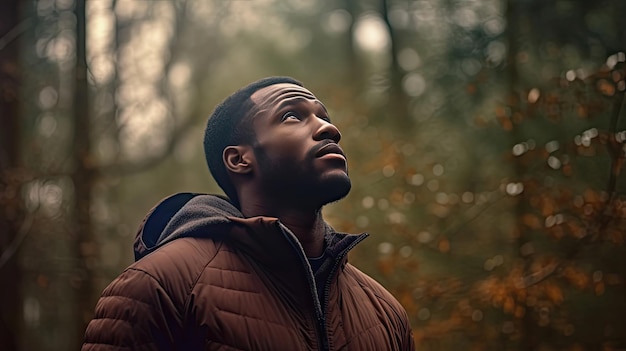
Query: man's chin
[[335, 189]]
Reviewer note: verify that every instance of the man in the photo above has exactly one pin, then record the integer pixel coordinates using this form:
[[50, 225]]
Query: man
[[259, 270]]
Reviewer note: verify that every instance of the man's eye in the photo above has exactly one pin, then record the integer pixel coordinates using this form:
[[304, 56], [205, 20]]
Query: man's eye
[[290, 115]]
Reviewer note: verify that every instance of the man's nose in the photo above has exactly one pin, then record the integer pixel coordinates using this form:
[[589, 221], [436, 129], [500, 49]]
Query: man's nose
[[327, 130]]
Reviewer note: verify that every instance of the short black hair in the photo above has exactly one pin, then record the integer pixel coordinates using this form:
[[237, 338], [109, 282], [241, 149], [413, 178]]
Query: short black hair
[[227, 126]]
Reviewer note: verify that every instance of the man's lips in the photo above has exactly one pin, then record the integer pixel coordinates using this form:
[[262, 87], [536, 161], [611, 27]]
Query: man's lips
[[330, 149]]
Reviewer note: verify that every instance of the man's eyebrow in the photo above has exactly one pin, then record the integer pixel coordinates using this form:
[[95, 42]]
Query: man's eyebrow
[[298, 99]]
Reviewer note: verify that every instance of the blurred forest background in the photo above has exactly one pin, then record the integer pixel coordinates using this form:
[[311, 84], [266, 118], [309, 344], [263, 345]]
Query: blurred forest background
[[486, 141]]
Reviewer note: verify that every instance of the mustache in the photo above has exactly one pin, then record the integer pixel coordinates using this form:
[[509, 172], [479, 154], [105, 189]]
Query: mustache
[[318, 149]]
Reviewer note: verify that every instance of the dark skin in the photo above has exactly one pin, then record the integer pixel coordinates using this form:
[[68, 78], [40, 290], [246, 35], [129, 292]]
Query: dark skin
[[294, 167]]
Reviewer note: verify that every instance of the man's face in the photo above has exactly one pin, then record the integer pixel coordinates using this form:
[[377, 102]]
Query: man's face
[[296, 147]]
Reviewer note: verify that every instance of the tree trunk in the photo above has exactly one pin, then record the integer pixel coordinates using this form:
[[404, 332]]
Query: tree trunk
[[83, 177], [398, 100], [11, 206], [522, 238], [355, 71]]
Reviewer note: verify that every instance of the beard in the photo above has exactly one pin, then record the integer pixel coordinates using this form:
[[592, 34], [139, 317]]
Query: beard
[[300, 183]]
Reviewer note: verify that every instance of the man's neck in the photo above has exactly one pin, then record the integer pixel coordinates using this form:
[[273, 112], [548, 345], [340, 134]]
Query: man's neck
[[307, 225], [309, 232]]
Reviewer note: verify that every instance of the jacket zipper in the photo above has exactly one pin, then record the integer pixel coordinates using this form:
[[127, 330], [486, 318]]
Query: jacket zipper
[[331, 274], [322, 332]]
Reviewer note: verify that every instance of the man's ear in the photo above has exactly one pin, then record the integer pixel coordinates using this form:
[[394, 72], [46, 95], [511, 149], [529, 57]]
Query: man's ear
[[238, 159]]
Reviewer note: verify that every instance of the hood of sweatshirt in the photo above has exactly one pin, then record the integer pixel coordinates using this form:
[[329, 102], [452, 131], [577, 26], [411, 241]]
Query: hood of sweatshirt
[[203, 215], [182, 215]]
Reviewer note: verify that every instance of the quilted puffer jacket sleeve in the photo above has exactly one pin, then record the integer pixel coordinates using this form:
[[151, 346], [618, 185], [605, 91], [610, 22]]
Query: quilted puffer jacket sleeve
[[408, 341], [134, 312]]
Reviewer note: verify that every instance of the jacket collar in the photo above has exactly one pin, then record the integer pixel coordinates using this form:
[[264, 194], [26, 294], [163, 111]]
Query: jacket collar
[[202, 215], [271, 242]]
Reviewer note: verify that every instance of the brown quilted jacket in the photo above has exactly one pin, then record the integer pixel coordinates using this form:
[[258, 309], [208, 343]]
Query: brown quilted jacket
[[208, 279]]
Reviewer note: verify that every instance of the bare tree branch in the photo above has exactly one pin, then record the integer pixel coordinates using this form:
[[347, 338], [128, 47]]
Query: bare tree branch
[[537, 277], [15, 32], [130, 167], [614, 149], [23, 232]]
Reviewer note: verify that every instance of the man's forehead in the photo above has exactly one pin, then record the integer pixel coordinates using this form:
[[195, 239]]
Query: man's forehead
[[276, 92]]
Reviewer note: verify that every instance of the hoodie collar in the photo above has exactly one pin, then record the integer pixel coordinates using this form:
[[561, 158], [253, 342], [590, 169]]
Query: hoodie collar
[[181, 215], [197, 215]]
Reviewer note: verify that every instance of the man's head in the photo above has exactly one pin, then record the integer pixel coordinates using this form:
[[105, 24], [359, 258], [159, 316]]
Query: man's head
[[277, 136], [229, 125]]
